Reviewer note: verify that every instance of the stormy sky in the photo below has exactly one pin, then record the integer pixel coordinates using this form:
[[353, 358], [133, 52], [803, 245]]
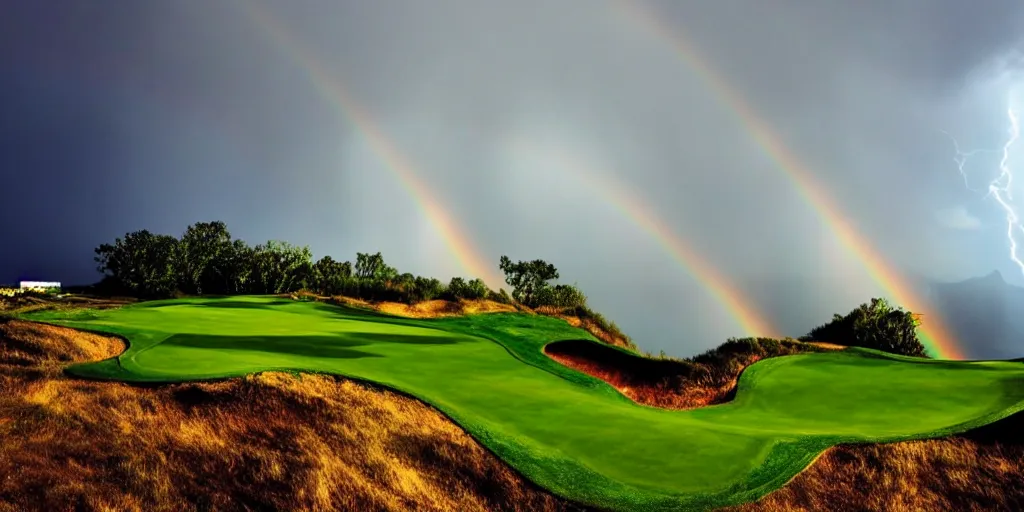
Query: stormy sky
[[124, 115]]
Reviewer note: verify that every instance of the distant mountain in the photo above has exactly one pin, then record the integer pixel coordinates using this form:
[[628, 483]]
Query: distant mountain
[[985, 313]]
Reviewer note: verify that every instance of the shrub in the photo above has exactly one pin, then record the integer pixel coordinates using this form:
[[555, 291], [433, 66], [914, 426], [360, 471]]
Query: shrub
[[569, 296], [476, 289], [543, 296], [501, 296], [877, 325], [424, 288], [559, 296], [527, 278], [718, 366], [456, 289], [583, 313], [304, 295]]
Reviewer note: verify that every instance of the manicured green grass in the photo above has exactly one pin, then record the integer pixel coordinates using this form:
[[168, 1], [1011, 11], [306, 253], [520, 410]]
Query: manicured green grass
[[570, 433]]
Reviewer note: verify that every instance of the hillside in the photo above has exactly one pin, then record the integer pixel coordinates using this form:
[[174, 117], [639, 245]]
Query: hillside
[[570, 420], [977, 470], [109, 436], [270, 440]]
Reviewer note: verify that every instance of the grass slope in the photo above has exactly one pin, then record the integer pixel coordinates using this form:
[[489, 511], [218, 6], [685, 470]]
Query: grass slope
[[569, 432]]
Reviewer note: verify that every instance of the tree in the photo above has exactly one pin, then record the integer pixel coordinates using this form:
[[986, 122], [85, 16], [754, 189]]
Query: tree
[[426, 289], [476, 289], [280, 267], [200, 245], [457, 288], [329, 276], [877, 325], [285, 267], [367, 264], [372, 267], [265, 269], [141, 262], [405, 281], [297, 263], [230, 271], [242, 265], [527, 278]]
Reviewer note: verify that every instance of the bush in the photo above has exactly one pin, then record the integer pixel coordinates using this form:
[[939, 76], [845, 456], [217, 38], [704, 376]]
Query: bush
[[544, 296], [304, 295], [424, 288], [456, 289], [877, 325], [559, 296], [569, 296], [501, 296], [583, 313], [720, 365], [476, 289]]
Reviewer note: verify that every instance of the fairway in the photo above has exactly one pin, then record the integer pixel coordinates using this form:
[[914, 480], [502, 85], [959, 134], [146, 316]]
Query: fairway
[[569, 432]]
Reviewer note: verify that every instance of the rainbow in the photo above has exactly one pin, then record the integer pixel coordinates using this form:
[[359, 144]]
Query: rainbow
[[466, 254], [628, 204], [934, 335]]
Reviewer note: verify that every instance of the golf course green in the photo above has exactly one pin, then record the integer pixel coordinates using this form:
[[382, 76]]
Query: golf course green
[[570, 433]]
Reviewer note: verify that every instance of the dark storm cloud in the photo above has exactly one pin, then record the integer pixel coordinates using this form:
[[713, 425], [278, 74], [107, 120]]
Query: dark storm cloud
[[136, 115], [153, 115]]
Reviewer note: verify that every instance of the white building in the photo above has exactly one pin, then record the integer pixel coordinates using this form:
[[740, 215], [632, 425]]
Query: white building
[[40, 286]]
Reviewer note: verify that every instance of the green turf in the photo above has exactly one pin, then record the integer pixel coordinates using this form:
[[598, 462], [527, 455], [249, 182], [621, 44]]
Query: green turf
[[570, 433]]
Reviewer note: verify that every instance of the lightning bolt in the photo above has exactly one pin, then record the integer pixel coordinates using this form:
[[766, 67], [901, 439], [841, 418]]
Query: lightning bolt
[[999, 188], [962, 157]]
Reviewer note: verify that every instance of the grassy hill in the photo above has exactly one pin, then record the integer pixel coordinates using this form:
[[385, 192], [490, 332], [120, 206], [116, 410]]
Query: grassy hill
[[271, 441], [569, 432]]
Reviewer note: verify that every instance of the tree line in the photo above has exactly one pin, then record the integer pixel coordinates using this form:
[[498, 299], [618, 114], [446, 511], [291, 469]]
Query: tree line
[[207, 260]]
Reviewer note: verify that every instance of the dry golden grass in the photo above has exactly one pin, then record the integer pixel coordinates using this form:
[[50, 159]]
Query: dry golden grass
[[822, 344], [444, 308], [25, 303], [427, 309], [979, 471], [32, 344], [270, 441]]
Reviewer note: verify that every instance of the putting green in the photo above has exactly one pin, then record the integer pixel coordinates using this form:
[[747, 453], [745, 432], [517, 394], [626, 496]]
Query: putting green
[[569, 432]]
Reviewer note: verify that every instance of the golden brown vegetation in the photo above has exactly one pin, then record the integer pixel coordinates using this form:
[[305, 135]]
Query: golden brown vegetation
[[439, 308], [31, 301], [587, 324], [268, 441], [426, 309], [443, 308], [978, 471]]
